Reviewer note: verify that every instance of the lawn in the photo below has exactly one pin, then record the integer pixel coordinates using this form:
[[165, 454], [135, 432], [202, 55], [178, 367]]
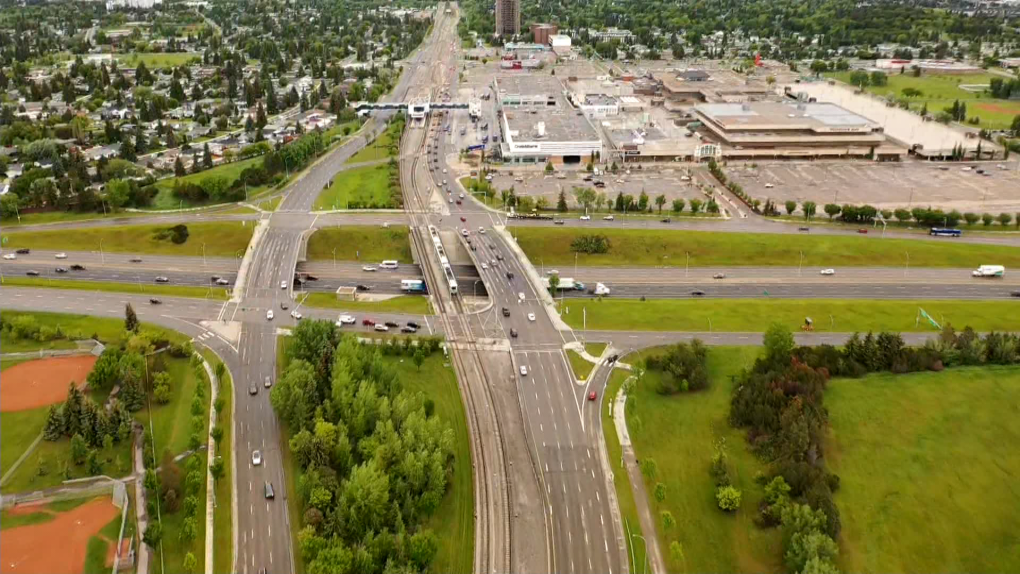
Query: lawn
[[940, 91], [158, 59], [65, 216], [366, 243], [109, 286], [54, 456], [928, 470], [171, 423], [680, 433], [579, 365], [414, 304], [366, 187], [19, 429], [745, 315], [174, 550], [624, 494], [109, 331], [595, 349], [223, 536], [231, 171], [221, 239], [656, 247], [453, 522], [99, 545], [382, 147]]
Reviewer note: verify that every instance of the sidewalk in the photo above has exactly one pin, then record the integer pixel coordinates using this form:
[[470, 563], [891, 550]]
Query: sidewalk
[[142, 558], [637, 486], [210, 492]]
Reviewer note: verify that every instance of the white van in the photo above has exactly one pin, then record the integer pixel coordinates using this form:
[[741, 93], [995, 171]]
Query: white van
[[389, 264]]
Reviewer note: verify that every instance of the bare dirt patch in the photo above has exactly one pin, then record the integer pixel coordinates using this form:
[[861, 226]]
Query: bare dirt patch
[[30, 549], [996, 108], [40, 383]]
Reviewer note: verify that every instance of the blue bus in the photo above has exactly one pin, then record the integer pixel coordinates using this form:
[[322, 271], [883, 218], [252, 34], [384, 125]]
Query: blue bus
[[412, 285], [945, 231]]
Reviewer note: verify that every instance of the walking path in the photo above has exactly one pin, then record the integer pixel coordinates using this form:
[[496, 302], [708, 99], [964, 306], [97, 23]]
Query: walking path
[[637, 485], [210, 492], [141, 505]]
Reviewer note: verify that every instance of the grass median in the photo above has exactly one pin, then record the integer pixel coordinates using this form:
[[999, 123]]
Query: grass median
[[109, 286], [639, 247], [579, 365], [223, 533], [364, 243], [621, 481], [220, 239], [364, 187], [412, 304], [752, 315]]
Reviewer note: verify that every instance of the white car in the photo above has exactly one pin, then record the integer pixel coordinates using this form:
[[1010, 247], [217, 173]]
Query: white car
[[585, 218], [481, 230], [269, 315], [296, 315], [347, 320], [769, 186], [10, 256], [283, 284], [444, 170], [485, 265], [462, 196], [827, 272], [256, 457], [609, 218], [520, 296], [381, 327], [61, 255], [524, 371], [368, 268], [451, 200], [553, 272], [531, 316]]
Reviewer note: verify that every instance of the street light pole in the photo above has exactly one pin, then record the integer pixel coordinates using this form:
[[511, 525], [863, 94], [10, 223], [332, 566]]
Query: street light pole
[[102, 257], [334, 258], [687, 269], [800, 267], [203, 254], [907, 268]]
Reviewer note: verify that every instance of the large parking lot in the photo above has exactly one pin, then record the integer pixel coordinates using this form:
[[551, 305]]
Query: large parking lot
[[538, 184], [885, 186]]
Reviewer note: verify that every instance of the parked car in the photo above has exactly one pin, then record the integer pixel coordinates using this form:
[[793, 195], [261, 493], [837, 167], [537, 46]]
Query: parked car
[[408, 329], [392, 324]]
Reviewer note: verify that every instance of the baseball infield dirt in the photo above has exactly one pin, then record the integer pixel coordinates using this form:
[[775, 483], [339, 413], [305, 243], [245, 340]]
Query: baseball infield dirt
[[41, 383]]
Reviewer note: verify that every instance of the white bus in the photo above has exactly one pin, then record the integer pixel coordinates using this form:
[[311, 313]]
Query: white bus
[[389, 264], [412, 285]]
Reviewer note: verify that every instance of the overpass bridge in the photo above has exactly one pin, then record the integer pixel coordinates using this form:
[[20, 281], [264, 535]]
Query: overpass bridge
[[418, 108]]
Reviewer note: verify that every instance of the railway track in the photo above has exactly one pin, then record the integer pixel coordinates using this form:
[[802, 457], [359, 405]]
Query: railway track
[[492, 483]]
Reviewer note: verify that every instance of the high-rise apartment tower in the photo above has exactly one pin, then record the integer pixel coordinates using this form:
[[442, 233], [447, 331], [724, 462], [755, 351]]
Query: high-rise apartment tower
[[508, 17]]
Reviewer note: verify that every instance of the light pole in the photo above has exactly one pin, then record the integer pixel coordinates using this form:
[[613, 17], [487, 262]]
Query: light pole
[[474, 288], [687, 269], [102, 258], [907, 267], [575, 264], [203, 254], [800, 267], [334, 258]]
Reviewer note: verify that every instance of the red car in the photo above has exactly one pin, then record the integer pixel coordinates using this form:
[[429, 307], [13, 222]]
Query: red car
[[368, 322], [591, 396], [864, 231], [458, 202], [462, 220]]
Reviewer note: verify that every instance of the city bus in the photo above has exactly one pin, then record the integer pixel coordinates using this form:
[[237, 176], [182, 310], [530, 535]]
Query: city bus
[[412, 285], [944, 231]]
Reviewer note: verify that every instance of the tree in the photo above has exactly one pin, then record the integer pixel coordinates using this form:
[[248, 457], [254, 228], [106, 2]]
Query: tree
[[660, 491], [860, 78], [695, 205], [668, 521], [779, 345], [832, 210], [79, 450], [728, 498], [676, 550], [561, 202], [92, 464], [554, 283], [130, 319], [1005, 218], [809, 208], [189, 530], [418, 358], [660, 200], [987, 219], [819, 66], [153, 534], [791, 206], [207, 161], [179, 170], [217, 469], [549, 167], [127, 150], [189, 563], [678, 206], [585, 197]]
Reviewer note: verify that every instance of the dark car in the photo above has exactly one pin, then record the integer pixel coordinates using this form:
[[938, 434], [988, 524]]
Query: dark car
[[283, 305], [499, 256], [513, 333], [162, 279], [614, 358], [155, 301], [413, 324], [363, 288], [666, 220], [77, 267], [510, 275], [23, 251], [61, 270], [253, 389], [697, 293], [311, 278], [32, 273], [803, 229], [269, 490], [506, 312], [136, 260], [392, 324], [1015, 294], [559, 222]]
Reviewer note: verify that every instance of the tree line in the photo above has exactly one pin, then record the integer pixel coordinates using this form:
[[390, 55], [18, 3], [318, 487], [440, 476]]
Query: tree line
[[375, 460]]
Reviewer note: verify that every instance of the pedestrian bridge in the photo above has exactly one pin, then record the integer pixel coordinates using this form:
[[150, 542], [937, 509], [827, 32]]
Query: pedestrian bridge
[[416, 109]]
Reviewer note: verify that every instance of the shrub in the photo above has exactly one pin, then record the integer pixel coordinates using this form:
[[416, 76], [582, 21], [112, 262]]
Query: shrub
[[728, 498], [591, 244]]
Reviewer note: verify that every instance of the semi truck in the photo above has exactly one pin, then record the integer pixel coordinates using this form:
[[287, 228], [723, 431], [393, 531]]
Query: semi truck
[[566, 284], [989, 271]]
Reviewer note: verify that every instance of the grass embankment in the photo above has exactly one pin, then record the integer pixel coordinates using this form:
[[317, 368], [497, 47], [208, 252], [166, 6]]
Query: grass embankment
[[65, 216], [221, 239], [100, 544], [365, 243], [165, 199], [595, 349], [940, 91], [928, 468], [158, 59], [414, 304], [581, 367], [18, 430], [382, 147], [633, 247], [110, 331], [53, 457], [170, 422], [113, 287], [747, 315], [679, 433], [624, 494], [367, 186], [223, 535]]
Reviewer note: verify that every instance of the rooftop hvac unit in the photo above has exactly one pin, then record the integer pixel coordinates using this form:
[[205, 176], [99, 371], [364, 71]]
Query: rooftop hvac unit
[[540, 129]]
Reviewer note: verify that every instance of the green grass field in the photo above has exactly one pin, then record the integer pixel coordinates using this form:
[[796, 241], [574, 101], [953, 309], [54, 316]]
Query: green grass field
[[171, 423], [383, 146], [364, 243], [158, 60], [231, 171], [928, 470], [366, 186], [581, 367], [595, 349], [415, 304], [453, 522], [65, 216], [54, 456], [655, 248], [223, 540], [19, 429], [679, 433], [174, 549], [940, 91], [746, 315], [110, 331], [624, 494], [220, 239], [109, 286]]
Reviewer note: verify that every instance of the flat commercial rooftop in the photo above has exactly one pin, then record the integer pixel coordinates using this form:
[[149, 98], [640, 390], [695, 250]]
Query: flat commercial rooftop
[[818, 117], [530, 85], [563, 124]]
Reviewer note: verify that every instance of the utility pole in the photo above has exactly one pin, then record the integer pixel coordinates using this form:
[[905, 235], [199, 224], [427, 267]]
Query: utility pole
[[102, 257]]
